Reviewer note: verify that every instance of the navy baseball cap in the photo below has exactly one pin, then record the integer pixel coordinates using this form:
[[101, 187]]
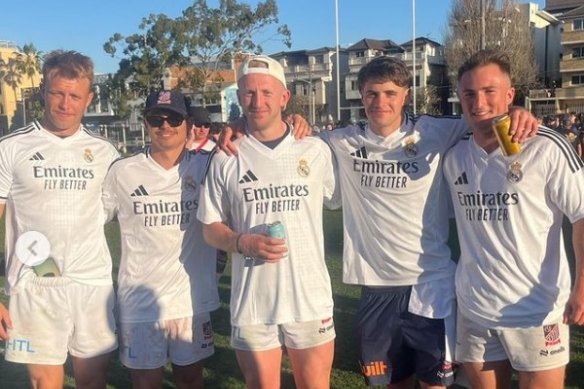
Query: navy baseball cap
[[199, 115], [170, 100]]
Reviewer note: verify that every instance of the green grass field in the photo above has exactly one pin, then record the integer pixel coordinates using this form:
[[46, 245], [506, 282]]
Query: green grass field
[[222, 371]]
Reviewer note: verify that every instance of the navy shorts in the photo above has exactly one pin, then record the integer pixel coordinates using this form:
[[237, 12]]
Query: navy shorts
[[394, 344]]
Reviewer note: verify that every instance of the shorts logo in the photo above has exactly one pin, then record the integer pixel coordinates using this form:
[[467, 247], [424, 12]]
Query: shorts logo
[[326, 325], [372, 369], [447, 370], [20, 345], [551, 334], [546, 353], [207, 330]]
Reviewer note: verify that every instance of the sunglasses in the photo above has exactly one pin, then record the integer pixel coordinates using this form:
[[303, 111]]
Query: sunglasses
[[157, 121], [203, 125]]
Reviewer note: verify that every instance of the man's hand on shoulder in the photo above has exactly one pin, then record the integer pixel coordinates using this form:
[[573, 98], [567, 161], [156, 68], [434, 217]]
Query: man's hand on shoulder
[[230, 133], [300, 126], [523, 124]]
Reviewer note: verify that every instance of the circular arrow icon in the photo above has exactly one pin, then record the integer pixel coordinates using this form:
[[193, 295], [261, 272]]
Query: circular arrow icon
[[32, 248]]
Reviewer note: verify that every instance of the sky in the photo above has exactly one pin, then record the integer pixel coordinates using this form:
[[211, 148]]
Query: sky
[[85, 25]]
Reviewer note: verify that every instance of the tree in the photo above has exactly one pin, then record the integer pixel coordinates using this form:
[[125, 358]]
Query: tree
[[427, 100], [30, 62], [10, 73], [505, 28], [299, 104], [206, 37]]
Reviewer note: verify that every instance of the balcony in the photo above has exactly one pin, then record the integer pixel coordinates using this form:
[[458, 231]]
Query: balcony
[[570, 37], [575, 92], [572, 65], [539, 94], [359, 61], [317, 70]]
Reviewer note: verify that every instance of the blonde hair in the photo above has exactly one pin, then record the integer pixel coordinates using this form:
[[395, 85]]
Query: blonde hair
[[67, 64]]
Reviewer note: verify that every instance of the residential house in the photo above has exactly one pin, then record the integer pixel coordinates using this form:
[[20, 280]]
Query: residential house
[[430, 68], [312, 74]]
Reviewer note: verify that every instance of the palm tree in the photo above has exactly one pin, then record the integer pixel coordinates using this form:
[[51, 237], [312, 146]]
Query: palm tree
[[10, 73], [30, 61]]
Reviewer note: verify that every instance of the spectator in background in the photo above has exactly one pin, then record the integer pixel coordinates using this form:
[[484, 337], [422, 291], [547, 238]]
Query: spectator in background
[[570, 130], [200, 122], [554, 123]]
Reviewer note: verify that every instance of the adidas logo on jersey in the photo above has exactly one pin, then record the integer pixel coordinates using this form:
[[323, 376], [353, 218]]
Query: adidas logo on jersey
[[248, 177], [37, 157], [360, 153], [461, 180], [140, 191]]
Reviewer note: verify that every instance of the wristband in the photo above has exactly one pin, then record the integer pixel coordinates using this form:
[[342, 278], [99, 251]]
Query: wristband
[[237, 244]]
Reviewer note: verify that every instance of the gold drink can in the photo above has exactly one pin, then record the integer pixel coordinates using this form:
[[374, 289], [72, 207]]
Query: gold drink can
[[501, 126], [48, 268]]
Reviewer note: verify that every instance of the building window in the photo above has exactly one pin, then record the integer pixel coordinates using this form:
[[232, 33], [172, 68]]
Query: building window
[[353, 85], [578, 79], [578, 24], [360, 54], [578, 52]]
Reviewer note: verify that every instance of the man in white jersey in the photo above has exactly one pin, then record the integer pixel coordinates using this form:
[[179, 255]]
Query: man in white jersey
[[51, 176], [198, 138], [166, 281], [395, 230], [281, 292], [512, 280]]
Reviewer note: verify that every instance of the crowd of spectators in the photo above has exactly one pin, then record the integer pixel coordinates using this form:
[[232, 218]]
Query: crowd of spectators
[[569, 125]]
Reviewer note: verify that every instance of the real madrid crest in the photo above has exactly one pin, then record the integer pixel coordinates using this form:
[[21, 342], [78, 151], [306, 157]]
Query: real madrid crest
[[409, 145], [410, 149], [303, 169], [88, 155], [514, 174], [188, 184]]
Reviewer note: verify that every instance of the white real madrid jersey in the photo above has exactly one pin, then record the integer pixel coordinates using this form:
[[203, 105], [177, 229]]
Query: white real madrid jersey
[[206, 144], [395, 203], [53, 185], [261, 186], [167, 270], [513, 270]]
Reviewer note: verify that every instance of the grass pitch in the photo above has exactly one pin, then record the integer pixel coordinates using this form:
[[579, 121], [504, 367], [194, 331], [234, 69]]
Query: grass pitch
[[222, 371]]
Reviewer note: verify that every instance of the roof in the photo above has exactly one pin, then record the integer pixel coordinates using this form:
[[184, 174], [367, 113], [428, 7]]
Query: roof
[[375, 44], [421, 40], [579, 11]]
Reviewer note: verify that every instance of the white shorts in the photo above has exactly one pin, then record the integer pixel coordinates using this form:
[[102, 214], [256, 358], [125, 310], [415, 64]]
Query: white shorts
[[53, 316], [150, 345], [527, 349], [295, 335]]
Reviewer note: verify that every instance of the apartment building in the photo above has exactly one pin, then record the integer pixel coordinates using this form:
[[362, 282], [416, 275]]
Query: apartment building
[[565, 92], [312, 74], [430, 68]]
